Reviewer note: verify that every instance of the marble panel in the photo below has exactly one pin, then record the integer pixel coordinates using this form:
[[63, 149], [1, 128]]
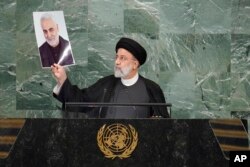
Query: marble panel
[[195, 16], [240, 95], [212, 53], [197, 95], [7, 75], [240, 17], [176, 52], [215, 93], [177, 17], [8, 93], [104, 22], [180, 90], [33, 84], [105, 28], [139, 21], [194, 52], [79, 44], [213, 16], [240, 53], [7, 16], [101, 56], [76, 14], [24, 18]]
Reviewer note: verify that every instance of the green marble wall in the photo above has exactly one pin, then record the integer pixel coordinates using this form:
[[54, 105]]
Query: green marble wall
[[198, 52]]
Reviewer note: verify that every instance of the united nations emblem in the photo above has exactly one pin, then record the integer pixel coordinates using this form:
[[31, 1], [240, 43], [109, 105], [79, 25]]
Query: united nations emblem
[[117, 140]]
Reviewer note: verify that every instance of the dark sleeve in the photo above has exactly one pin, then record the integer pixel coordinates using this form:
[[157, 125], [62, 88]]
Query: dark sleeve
[[160, 111], [157, 96], [94, 93], [71, 93]]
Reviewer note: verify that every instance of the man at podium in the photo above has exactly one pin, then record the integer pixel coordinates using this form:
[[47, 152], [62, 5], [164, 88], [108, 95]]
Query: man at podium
[[125, 86]]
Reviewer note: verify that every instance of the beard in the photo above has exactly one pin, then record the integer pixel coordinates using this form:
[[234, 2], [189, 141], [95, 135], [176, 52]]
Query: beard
[[122, 72], [54, 41]]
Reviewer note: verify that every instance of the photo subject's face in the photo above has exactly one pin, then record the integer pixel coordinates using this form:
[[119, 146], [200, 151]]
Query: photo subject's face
[[50, 31]]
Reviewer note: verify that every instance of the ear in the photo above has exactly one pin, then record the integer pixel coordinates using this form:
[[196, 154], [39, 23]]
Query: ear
[[136, 64]]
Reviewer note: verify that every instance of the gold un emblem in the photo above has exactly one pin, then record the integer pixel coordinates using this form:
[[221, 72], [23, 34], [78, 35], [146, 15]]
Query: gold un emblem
[[117, 140]]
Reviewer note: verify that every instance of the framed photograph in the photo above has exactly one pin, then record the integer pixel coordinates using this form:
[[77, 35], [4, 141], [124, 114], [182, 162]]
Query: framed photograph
[[52, 39]]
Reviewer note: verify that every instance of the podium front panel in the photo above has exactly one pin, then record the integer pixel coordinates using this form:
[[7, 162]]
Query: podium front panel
[[93, 142]]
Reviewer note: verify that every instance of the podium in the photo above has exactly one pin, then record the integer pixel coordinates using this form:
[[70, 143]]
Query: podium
[[74, 142], [100, 109]]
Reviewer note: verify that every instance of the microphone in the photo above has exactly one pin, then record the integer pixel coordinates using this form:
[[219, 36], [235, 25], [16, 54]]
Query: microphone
[[102, 100]]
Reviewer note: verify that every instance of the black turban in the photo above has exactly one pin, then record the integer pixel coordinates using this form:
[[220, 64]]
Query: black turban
[[133, 47]]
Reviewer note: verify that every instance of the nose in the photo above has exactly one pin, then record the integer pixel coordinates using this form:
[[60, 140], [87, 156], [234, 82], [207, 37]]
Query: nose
[[49, 34], [117, 61]]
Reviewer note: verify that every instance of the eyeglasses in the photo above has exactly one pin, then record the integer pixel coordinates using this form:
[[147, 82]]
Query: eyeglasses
[[123, 58]]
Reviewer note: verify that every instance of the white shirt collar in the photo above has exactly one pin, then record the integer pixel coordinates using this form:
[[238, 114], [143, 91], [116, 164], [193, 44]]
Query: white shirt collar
[[131, 81]]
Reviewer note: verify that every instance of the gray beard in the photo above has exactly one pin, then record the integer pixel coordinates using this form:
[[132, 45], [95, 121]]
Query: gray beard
[[54, 42], [123, 72]]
